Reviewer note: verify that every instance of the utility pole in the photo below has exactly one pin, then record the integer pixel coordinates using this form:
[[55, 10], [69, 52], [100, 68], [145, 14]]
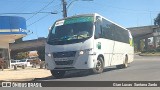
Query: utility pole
[[64, 8]]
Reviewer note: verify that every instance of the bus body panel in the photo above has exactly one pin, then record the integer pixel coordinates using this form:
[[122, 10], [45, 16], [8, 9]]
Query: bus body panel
[[119, 53], [105, 49]]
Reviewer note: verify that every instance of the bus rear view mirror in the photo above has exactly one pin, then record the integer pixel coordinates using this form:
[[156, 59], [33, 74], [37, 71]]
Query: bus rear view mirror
[[98, 19], [49, 29]]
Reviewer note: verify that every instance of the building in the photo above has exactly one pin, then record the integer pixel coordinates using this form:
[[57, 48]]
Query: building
[[149, 34], [11, 28]]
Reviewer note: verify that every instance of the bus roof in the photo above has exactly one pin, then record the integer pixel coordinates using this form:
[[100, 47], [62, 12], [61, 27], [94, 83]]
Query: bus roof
[[93, 14], [76, 16]]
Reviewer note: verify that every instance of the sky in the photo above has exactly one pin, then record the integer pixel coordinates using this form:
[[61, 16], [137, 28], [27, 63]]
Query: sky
[[127, 13]]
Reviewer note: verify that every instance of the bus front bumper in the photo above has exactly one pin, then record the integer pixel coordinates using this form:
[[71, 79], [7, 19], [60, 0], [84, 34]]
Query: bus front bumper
[[81, 62]]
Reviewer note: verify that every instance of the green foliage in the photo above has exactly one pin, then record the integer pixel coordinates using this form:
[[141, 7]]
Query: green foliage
[[22, 55], [149, 51], [135, 48], [157, 20], [142, 45], [18, 40], [152, 50], [158, 49]]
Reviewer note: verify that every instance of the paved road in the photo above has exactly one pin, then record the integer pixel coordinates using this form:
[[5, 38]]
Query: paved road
[[144, 68]]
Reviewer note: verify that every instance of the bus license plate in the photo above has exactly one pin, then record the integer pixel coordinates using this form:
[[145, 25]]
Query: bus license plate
[[61, 59]]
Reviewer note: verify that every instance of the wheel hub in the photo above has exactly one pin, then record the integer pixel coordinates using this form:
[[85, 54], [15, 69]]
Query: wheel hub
[[99, 65]]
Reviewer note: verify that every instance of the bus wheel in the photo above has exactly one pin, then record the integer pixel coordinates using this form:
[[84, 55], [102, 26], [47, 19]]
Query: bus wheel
[[99, 66], [58, 73], [125, 65]]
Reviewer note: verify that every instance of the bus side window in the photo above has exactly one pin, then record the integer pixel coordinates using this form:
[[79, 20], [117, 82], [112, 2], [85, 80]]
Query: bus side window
[[98, 30], [107, 30], [121, 35]]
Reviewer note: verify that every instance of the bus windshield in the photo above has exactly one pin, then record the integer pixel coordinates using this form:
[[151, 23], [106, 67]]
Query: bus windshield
[[70, 33]]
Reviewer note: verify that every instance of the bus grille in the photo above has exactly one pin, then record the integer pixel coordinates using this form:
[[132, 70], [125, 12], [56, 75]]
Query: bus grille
[[69, 62], [64, 54]]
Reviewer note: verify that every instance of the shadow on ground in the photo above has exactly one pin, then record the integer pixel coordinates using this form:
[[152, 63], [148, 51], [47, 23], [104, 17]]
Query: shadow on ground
[[74, 74]]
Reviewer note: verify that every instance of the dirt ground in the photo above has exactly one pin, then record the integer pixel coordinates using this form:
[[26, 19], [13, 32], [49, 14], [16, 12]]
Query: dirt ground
[[20, 74]]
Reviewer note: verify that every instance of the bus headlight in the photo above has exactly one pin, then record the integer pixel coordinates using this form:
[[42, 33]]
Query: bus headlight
[[84, 51], [81, 52]]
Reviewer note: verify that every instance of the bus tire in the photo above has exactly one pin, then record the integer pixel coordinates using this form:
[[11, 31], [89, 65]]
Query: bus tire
[[99, 66], [58, 73], [124, 65]]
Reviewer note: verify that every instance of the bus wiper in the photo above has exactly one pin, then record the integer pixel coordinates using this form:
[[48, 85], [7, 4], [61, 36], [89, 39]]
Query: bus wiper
[[83, 36], [55, 39], [80, 36]]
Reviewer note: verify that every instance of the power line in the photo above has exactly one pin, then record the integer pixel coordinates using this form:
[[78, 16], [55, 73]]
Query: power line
[[40, 10], [31, 1], [43, 17], [56, 9], [29, 13], [38, 20]]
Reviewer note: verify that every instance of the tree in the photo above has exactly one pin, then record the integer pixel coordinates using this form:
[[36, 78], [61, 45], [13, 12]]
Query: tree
[[41, 53], [142, 45], [22, 55], [157, 20], [18, 40]]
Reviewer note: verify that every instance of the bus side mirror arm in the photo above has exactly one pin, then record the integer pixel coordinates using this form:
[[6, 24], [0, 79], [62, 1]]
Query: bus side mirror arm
[[95, 37]]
